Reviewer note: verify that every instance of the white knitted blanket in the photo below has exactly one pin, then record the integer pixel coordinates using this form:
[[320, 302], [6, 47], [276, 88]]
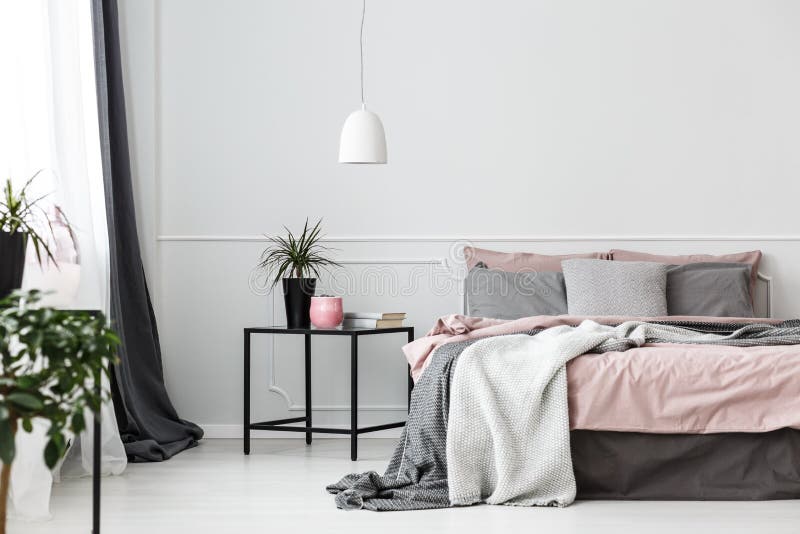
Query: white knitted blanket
[[508, 429]]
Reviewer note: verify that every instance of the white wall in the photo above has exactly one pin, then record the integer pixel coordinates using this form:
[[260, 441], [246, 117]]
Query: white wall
[[513, 118]]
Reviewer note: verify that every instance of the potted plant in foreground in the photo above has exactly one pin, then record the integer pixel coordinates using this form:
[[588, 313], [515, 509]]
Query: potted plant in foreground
[[293, 260], [50, 363], [21, 220]]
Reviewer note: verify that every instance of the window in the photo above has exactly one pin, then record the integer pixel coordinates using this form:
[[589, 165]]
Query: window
[[48, 124]]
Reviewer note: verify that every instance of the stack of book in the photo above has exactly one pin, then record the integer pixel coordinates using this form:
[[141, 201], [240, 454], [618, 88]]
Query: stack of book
[[373, 320]]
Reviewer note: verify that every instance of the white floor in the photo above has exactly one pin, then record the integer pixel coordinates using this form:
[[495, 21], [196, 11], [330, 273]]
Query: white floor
[[280, 488]]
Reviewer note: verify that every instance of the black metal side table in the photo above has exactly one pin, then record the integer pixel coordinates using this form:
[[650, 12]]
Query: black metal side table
[[308, 429]]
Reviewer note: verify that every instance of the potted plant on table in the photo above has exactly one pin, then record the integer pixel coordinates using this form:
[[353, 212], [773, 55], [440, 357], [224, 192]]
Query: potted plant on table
[[294, 261], [51, 364], [22, 220]]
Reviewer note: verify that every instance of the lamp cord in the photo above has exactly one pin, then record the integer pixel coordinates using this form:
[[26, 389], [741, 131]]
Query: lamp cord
[[361, 43]]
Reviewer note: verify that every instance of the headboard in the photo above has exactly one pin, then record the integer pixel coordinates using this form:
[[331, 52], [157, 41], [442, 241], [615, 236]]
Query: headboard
[[762, 299]]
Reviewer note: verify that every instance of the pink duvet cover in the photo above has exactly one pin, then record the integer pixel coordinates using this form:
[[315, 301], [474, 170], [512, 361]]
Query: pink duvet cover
[[663, 388]]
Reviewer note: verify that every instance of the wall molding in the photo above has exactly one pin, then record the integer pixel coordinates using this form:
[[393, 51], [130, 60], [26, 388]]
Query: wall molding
[[480, 238], [292, 406]]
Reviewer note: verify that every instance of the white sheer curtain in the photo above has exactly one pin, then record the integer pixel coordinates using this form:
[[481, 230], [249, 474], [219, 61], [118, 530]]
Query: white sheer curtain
[[48, 122]]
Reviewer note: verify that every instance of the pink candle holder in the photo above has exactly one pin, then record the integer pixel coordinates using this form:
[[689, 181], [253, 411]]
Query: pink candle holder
[[326, 312]]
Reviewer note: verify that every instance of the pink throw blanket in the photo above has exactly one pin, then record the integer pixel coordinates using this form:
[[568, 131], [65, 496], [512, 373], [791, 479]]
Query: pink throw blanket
[[450, 328]]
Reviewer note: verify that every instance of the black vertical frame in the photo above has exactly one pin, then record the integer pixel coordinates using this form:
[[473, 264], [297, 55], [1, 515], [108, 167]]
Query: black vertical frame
[[246, 388], [353, 397], [308, 387], [98, 384], [410, 378]]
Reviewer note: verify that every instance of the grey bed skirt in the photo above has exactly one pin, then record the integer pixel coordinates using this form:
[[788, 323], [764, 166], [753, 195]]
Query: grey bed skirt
[[730, 466]]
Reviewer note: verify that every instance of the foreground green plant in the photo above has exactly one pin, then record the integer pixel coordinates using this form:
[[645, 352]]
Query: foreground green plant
[[50, 362]]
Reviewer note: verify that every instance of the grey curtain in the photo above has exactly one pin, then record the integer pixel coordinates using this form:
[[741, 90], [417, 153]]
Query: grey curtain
[[149, 425]]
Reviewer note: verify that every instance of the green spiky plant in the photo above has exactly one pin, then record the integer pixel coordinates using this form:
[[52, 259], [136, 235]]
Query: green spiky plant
[[19, 214], [296, 256], [50, 362]]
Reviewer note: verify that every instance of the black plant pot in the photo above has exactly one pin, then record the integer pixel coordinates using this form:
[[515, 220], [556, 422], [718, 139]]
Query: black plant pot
[[297, 293], [12, 261]]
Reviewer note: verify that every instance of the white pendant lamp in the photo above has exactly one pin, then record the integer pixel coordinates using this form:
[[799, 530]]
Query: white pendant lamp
[[363, 139]]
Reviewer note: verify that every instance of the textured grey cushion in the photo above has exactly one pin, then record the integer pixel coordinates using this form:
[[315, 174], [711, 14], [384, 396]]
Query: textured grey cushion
[[602, 287], [503, 295], [710, 289]]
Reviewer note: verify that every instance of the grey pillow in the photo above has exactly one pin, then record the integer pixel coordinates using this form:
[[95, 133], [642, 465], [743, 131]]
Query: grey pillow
[[504, 295], [709, 289], [603, 287]]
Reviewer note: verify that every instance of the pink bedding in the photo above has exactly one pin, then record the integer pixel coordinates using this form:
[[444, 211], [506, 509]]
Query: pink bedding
[[686, 389], [664, 388]]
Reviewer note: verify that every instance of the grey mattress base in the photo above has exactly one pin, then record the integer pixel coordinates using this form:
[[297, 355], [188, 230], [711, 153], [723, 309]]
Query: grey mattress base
[[729, 466]]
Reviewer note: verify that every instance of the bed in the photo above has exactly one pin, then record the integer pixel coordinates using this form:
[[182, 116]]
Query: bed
[[699, 408]]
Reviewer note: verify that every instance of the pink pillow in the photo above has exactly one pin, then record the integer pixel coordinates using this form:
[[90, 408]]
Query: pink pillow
[[518, 262], [751, 258]]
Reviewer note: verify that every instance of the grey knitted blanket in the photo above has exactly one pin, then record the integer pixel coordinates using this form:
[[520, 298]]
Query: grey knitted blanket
[[417, 475]]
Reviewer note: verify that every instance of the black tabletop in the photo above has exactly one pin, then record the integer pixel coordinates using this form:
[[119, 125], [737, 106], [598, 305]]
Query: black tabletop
[[338, 331]]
